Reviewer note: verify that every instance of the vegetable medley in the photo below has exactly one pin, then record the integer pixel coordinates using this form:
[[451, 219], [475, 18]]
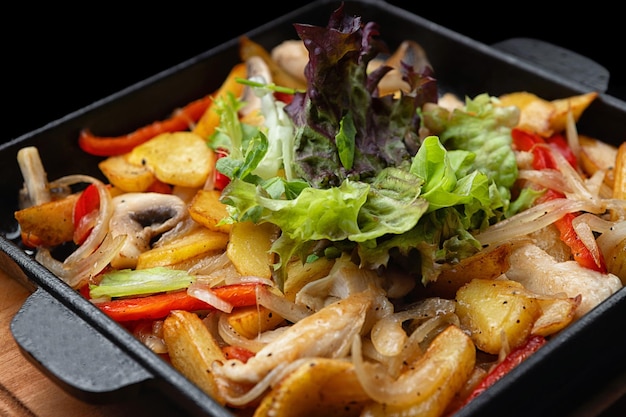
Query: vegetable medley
[[328, 233]]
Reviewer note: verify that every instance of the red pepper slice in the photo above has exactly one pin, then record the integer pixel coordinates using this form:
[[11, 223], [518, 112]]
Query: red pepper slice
[[110, 146], [87, 203], [557, 142], [221, 180], [542, 159], [237, 352], [514, 358], [158, 306]]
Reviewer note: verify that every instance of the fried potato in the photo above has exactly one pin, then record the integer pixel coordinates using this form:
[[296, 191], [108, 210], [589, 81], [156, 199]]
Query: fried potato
[[556, 314], [198, 242], [192, 350], [487, 264], [207, 209], [299, 274], [249, 248], [318, 387], [48, 224], [490, 308], [535, 112], [251, 321], [543, 116], [126, 176], [178, 158], [575, 104], [595, 156], [449, 362]]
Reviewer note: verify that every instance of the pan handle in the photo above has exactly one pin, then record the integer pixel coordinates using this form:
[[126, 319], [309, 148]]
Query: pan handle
[[73, 353], [558, 60]]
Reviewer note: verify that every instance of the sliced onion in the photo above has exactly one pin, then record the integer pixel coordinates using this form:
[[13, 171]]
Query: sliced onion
[[203, 292], [281, 305], [233, 338], [101, 226], [382, 387], [85, 269], [533, 219], [586, 236], [547, 178], [260, 388]]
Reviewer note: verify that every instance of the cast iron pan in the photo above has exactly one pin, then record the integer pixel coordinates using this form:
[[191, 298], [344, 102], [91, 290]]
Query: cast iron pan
[[96, 360]]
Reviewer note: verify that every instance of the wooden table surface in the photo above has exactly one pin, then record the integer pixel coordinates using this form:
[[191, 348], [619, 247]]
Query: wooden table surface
[[26, 392]]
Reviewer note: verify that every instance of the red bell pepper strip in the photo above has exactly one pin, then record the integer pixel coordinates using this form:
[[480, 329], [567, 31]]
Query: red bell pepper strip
[[221, 180], [543, 159], [237, 352], [158, 306], [514, 358], [87, 203], [180, 120]]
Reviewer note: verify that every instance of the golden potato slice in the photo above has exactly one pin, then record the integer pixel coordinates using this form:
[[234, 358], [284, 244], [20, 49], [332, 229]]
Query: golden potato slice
[[596, 155], [299, 274], [192, 350], [178, 158], [318, 387], [201, 240], [487, 264], [535, 112], [446, 366], [126, 176], [211, 118], [249, 248], [543, 116], [489, 308], [575, 104], [556, 314], [251, 321], [207, 209], [48, 224]]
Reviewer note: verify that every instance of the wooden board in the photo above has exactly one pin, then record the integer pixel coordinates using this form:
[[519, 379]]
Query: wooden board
[[27, 392]]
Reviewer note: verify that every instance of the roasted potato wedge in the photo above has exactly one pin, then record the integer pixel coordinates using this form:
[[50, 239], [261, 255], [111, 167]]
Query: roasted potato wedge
[[198, 242], [249, 248], [126, 176], [535, 112], [178, 158], [299, 274], [207, 209], [576, 104], [489, 308], [447, 364], [48, 224], [596, 155], [192, 350], [251, 321], [489, 264], [318, 387], [543, 116]]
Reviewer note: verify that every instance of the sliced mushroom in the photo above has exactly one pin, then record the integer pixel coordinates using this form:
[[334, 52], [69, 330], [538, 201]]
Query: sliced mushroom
[[36, 190], [143, 217]]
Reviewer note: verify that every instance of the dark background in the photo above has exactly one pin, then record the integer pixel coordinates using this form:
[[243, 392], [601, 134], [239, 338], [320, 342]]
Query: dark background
[[58, 61]]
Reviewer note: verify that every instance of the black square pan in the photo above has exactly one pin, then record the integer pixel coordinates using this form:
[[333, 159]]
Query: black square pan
[[109, 364]]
